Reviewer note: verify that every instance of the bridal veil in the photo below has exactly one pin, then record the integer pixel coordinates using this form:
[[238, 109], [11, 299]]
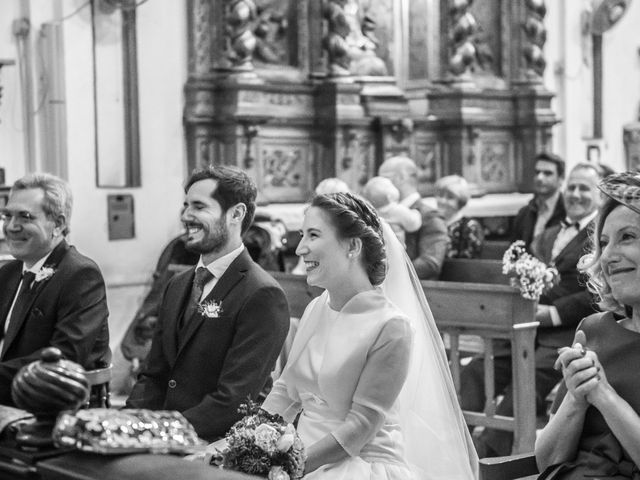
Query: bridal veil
[[438, 442]]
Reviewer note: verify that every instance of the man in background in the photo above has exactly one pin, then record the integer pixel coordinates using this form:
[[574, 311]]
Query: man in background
[[50, 295], [222, 324], [546, 208], [427, 247]]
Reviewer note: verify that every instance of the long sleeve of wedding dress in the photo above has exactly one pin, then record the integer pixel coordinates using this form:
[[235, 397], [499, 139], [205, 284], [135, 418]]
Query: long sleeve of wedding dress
[[378, 388]]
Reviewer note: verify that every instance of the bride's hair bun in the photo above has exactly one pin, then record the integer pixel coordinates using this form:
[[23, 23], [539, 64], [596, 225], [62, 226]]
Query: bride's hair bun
[[355, 217]]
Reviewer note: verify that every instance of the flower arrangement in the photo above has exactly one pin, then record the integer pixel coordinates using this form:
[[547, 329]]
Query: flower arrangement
[[262, 444], [531, 275]]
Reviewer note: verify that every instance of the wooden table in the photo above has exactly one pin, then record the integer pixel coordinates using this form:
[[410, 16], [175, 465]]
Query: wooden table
[[56, 464]]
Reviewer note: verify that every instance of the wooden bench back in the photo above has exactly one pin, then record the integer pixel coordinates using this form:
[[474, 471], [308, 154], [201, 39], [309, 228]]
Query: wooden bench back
[[473, 270], [486, 310]]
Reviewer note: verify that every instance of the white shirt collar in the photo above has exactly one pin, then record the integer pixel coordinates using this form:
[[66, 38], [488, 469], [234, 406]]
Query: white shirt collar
[[35, 268], [583, 222], [220, 265], [410, 199]]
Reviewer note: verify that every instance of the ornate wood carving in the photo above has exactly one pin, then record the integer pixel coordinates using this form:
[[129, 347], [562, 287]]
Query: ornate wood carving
[[535, 36], [271, 31], [241, 41], [355, 158], [418, 41], [200, 30], [304, 70], [283, 170], [350, 42], [463, 27], [495, 167]]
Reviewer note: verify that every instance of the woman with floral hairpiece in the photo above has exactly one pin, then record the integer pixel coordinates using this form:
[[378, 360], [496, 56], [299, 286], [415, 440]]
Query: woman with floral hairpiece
[[367, 368], [595, 429]]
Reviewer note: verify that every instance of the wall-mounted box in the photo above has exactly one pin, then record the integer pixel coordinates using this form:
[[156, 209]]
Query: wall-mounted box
[[120, 217]]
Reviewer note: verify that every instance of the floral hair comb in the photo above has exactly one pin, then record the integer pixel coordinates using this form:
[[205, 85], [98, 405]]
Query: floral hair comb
[[624, 188]]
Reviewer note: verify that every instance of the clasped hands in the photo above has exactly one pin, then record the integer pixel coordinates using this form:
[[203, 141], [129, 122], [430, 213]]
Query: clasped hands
[[583, 374]]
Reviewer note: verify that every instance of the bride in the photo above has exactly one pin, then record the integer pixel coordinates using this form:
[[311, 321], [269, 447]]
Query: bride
[[367, 368]]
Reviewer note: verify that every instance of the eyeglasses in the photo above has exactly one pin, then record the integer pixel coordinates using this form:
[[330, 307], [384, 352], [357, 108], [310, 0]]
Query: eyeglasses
[[20, 217]]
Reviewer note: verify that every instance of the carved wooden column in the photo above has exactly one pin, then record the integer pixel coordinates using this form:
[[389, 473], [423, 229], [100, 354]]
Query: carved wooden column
[[534, 118], [367, 113], [458, 52], [199, 103], [250, 100], [489, 108]]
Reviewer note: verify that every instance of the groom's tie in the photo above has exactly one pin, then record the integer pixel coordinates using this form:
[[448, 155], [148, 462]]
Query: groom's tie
[[21, 300], [202, 277]]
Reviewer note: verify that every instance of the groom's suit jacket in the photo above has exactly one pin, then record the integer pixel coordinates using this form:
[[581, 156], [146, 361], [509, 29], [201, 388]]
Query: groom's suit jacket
[[569, 295], [213, 364], [68, 310]]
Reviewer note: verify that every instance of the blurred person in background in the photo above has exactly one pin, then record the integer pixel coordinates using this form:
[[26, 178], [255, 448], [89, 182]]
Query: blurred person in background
[[546, 209], [427, 247], [384, 197], [467, 237]]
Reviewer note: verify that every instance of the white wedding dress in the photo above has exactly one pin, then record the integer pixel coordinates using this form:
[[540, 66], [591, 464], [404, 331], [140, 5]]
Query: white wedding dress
[[375, 377]]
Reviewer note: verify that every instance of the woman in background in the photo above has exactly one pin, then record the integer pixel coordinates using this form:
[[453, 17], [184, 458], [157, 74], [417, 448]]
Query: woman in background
[[467, 237], [595, 428]]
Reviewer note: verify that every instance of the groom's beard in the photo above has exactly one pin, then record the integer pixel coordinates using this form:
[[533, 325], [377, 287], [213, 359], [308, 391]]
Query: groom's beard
[[213, 241]]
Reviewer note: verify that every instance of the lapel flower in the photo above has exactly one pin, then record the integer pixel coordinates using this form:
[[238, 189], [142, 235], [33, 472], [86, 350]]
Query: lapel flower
[[210, 309], [43, 274]]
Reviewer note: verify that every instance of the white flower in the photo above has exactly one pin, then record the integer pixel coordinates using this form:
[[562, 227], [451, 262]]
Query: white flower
[[44, 273], [533, 277], [286, 440], [210, 309], [277, 473], [266, 437]]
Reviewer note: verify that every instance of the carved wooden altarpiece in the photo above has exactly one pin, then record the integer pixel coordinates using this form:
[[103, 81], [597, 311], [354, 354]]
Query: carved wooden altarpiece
[[295, 91]]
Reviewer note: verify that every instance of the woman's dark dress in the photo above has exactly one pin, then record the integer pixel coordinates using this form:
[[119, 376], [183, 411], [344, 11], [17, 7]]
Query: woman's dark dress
[[600, 455]]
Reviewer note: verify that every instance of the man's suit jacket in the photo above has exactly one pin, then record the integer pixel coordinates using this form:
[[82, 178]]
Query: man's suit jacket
[[525, 220], [68, 310], [428, 246], [569, 295], [215, 363]]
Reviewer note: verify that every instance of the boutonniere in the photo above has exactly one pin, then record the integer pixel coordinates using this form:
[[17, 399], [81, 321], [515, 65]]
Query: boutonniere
[[210, 309], [43, 274]]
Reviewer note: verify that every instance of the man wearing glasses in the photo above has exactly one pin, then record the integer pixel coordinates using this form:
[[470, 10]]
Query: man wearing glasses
[[51, 295]]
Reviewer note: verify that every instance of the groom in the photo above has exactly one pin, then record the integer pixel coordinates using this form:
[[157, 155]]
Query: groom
[[222, 324]]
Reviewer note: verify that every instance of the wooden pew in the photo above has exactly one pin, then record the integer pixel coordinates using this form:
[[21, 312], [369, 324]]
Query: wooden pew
[[473, 270], [489, 311]]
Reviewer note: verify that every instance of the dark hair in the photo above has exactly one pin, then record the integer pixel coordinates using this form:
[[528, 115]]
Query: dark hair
[[234, 186], [555, 159], [58, 199], [354, 217]]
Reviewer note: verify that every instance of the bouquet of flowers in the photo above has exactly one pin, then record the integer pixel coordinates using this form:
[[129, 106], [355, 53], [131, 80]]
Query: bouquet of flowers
[[531, 275], [263, 444]]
